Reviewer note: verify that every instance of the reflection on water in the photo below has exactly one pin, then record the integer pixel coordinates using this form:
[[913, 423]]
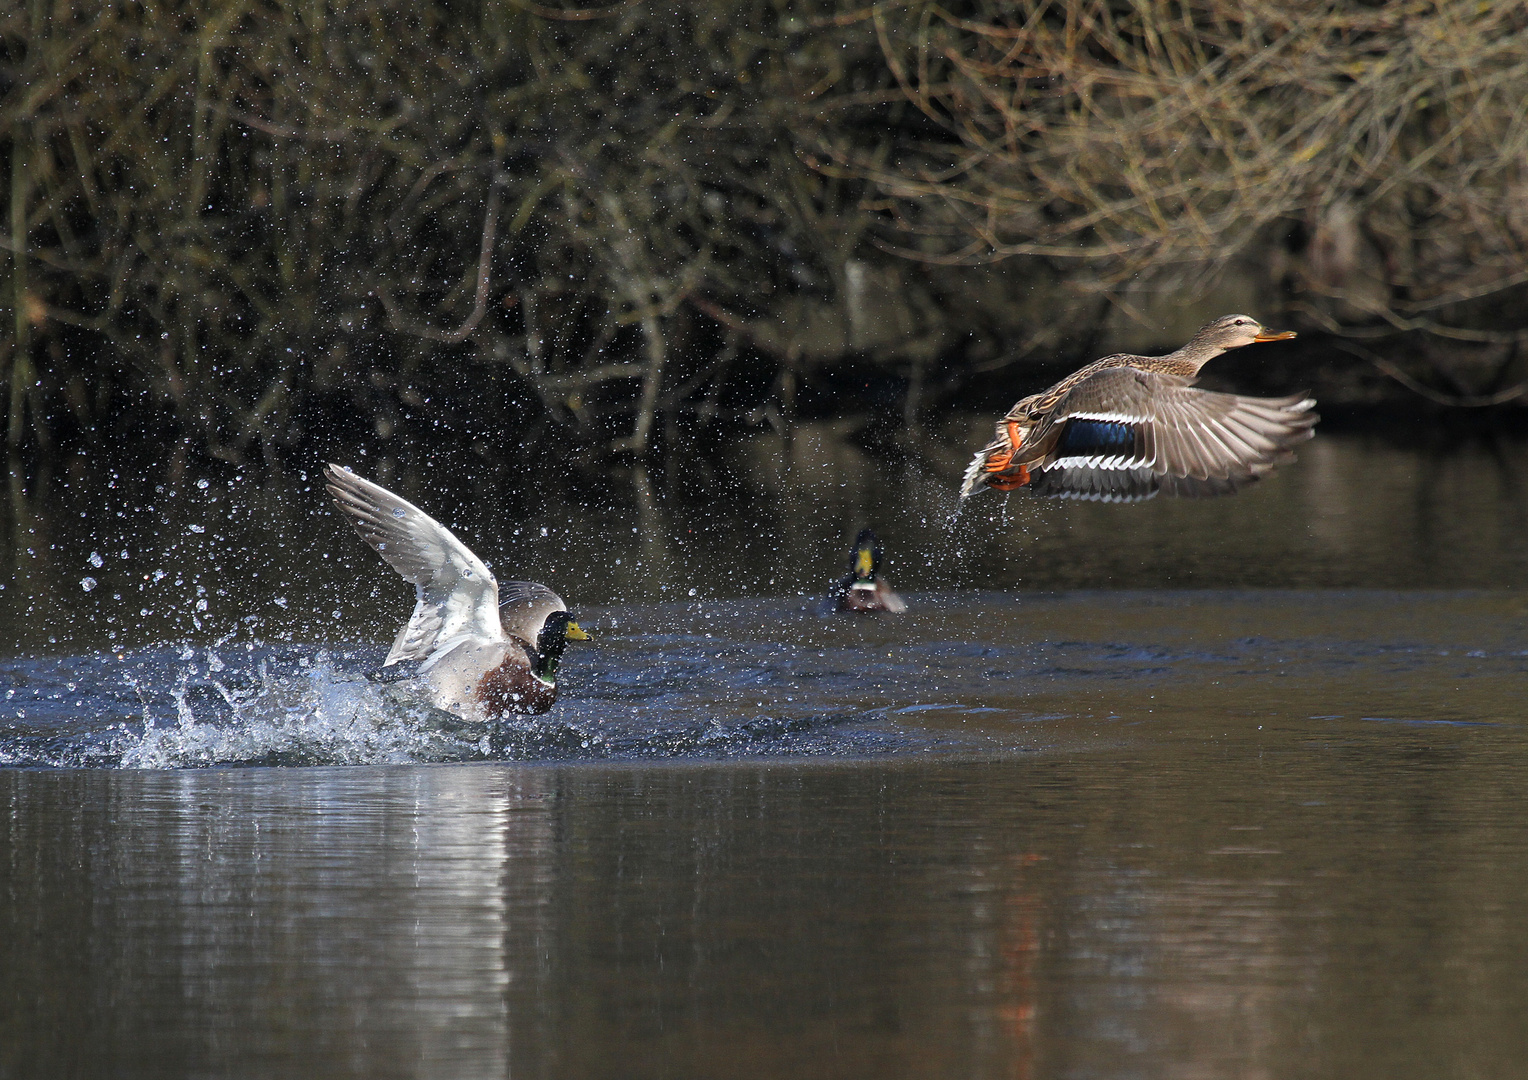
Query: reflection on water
[[231, 927], [1338, 903]]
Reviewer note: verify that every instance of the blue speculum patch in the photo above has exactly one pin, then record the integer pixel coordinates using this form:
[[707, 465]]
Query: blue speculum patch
[[1090, 438]]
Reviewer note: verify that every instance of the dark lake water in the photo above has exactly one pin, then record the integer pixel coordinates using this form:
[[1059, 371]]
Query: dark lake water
[[1232, 788]]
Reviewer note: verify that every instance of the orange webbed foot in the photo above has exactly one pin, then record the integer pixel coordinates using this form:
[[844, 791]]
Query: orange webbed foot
[[1000, 461], [1010, 482]]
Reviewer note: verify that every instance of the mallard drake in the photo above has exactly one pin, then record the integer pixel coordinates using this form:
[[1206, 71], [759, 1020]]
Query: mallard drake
[[487, 649], [863, 588], [1125, 428]]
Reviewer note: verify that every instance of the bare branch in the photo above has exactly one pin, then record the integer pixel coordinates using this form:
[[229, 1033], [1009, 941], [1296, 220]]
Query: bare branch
[[480, 304], [1471, 401]]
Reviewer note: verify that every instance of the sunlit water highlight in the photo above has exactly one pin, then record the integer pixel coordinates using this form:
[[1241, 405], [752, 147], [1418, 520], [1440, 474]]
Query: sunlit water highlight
[[961, 674]]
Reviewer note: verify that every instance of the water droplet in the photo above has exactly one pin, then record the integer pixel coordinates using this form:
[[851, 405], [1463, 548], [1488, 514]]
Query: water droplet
[[398, 511], [96, 560], [202, 484], [87, 583]]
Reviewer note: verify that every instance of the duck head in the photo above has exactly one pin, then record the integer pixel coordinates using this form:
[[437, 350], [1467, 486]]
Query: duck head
[[1234, 331], [556, 632], [865, 563]]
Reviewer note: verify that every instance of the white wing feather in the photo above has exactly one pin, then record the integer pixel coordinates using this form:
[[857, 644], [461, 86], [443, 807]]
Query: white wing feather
[[458, 599]]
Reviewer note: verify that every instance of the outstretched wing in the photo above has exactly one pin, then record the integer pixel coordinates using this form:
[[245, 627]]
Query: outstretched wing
[[457, 596], [1125, 485], [1124, 434], [524, 607]]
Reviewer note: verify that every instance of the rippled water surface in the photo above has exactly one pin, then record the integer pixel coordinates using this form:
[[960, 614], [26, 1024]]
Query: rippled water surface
[[1232, 788]]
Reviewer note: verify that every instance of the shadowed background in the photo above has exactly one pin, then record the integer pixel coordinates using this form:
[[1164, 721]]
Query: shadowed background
[[247, 225]]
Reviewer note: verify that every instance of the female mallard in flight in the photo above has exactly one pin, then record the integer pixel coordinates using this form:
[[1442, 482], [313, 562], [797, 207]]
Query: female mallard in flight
[[487, 650], [863, 588], [1127, 427]]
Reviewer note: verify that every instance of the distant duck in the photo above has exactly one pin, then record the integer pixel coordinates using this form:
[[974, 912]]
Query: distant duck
[[863, 588], [1125, 428], [487, 649]]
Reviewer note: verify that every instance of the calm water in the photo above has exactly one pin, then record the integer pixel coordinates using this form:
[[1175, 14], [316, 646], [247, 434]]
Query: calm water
[[1223, 789]]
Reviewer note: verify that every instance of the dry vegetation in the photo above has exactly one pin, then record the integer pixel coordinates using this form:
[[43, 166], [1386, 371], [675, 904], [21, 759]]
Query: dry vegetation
[[241, 218], [240, 212], [1385, 145]]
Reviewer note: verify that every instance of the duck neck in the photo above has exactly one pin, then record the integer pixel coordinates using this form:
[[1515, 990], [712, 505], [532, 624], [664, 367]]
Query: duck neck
[[1191, 357], [550, 644], [545, 668]]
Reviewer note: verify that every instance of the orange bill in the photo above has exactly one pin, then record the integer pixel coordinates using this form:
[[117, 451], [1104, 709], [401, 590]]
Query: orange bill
[[1274, 335]]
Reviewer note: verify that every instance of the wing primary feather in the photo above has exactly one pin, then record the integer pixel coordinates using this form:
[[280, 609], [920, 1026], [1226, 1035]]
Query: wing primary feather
[[457, 597]]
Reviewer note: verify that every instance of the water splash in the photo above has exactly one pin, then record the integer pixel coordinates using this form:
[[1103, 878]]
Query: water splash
[[322, 714], [691, 686], [179, 707]]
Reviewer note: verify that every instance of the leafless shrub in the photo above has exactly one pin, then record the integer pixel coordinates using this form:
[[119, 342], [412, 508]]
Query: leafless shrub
[[249, 216], [262, 205], [1168, 136]]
